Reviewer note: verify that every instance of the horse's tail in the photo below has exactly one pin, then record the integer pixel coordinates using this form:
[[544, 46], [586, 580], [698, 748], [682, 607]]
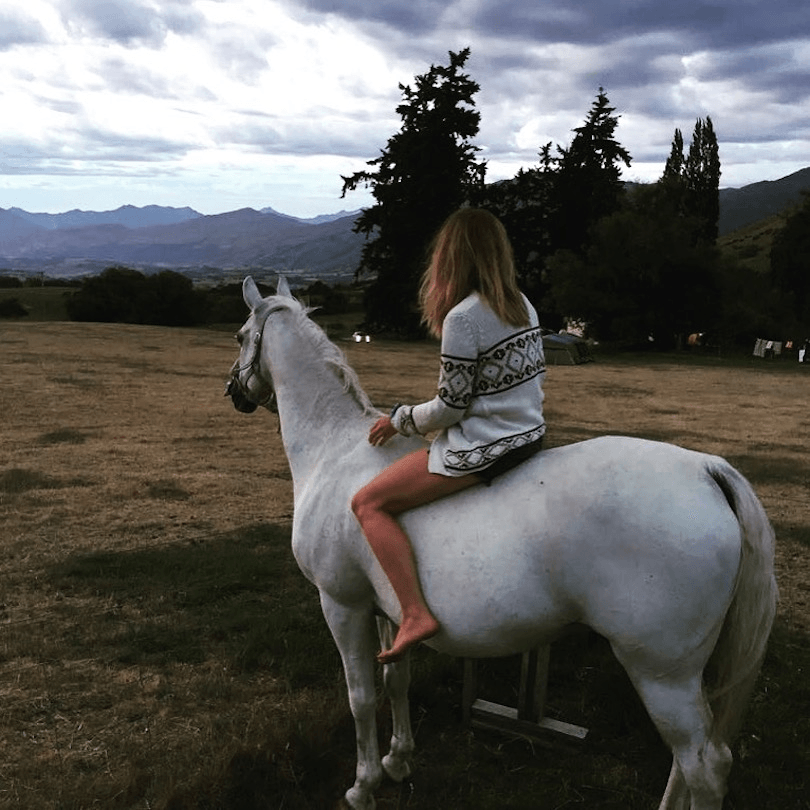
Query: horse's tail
[[740, 649]]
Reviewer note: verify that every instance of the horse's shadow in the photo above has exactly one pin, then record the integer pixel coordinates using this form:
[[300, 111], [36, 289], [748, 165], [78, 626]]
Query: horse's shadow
[[239, 595], [240, 598]]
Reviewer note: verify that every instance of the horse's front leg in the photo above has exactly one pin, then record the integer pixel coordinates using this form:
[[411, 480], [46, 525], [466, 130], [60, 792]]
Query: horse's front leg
[[353, 631], [397, 679]]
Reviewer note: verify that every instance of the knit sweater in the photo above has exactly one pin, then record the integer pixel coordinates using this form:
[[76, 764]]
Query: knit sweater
[[490, 392]]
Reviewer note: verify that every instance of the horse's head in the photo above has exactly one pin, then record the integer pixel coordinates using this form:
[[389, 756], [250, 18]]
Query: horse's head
[[247, 387]]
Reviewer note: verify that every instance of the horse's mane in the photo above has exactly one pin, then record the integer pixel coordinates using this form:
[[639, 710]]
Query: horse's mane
[[332, 356]]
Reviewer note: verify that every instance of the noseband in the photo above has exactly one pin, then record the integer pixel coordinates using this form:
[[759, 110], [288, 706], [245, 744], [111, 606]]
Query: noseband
[[237, 388]]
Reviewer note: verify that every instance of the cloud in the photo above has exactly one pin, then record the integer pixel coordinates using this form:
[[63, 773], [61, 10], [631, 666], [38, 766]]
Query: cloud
[[241, 52], [107, 153], [696, 23], [417, 17], [105, 145], [61, 105], [17, 28], [19, 157], [123, 21], [123, 77], [782, 71], [181, 17], [129, 22], [322, 131]]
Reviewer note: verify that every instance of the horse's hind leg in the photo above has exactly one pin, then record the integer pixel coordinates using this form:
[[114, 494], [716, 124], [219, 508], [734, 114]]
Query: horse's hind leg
[[353, 631], [397, 679], [701, 764]]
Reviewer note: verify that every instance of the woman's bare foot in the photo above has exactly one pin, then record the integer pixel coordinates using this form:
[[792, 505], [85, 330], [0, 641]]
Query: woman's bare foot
[[411, 631]]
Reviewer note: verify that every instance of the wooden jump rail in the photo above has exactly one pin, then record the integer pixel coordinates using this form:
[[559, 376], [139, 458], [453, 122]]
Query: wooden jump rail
[[528, 718]]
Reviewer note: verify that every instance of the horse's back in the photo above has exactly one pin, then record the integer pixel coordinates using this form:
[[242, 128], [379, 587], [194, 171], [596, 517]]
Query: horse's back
[[563, 489], [612, 532]]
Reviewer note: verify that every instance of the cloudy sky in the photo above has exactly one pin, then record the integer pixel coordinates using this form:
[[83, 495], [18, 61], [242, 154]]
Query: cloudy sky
[[225, 104]]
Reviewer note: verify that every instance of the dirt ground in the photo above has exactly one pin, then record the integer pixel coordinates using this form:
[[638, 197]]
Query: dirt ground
[[114, 416], [118, 437]]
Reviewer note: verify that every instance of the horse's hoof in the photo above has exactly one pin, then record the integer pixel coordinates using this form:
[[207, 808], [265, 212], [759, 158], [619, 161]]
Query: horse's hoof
[[359, 799], [397, 768]]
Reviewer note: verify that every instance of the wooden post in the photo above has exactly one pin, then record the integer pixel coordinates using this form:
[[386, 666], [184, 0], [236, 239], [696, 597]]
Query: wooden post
[[468, 690], [533, 684]]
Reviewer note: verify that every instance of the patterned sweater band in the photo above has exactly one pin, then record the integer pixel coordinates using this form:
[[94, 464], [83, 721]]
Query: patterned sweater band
[[402, 419]]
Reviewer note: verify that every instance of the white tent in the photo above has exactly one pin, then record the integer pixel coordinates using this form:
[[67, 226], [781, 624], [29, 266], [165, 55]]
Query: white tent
[[565, 350]]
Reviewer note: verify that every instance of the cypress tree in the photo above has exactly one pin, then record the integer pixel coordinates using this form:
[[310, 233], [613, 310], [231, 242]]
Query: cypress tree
[[693, 181]]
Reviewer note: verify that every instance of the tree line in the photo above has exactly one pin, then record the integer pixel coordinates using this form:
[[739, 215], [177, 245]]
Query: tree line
[[634, 262], [121, 294]]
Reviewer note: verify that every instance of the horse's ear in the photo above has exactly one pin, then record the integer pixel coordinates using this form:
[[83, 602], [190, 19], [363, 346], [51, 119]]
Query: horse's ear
[[251, 294], [283, 288]]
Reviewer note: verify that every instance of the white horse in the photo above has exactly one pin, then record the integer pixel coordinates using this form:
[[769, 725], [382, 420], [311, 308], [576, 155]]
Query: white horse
[[664, 551]]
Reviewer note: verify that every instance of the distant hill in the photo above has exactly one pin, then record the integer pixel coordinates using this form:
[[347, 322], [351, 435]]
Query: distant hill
[[154, 237], [750, 246], [743, 206]]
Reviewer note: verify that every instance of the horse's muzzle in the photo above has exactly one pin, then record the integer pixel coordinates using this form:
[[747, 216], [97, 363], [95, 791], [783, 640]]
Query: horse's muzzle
[[240, 401]]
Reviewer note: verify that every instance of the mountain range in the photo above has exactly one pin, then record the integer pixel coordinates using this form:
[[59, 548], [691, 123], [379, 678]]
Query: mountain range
[[155, 237], [84, 242]]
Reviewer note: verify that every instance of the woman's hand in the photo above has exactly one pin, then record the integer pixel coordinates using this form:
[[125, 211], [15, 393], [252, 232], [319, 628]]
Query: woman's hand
[[381, 431]]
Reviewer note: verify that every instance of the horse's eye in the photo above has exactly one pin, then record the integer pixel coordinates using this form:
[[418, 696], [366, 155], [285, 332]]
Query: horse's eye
[[238, 337]]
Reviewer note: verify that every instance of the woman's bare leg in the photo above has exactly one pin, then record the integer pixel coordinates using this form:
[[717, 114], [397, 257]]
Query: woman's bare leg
[[404, 485]]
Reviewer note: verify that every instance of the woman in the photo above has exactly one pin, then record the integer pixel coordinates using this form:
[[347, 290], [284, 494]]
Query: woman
[[488, 410]]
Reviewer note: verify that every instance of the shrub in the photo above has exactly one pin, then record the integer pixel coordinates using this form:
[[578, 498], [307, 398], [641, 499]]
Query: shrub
[[122, 295], [12, 308]]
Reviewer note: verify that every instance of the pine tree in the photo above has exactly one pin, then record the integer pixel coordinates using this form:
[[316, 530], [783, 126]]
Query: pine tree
[[555, 205], [588, 184], [427, 170]]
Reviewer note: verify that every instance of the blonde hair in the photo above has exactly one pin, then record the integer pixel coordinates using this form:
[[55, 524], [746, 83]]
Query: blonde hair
[[471, 253]]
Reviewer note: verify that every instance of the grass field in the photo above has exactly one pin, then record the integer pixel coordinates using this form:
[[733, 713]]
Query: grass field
[[42, 303], [160, 648]]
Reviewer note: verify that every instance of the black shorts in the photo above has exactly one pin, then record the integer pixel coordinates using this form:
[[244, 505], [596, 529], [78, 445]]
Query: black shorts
[[509, 460]]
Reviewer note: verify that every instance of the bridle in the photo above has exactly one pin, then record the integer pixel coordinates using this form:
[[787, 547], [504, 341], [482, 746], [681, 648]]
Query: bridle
[[237, 387]]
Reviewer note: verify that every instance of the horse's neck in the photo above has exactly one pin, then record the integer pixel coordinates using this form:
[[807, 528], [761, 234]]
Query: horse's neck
[[317, 415]]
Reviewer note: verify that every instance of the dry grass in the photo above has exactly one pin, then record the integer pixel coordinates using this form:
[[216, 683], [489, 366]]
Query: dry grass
[[159, 649]]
